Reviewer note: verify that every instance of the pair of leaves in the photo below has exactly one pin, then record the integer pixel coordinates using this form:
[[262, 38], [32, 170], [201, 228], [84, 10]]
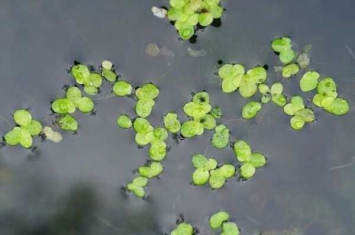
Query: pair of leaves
[[73, 100], [83, 76], [220, 138], [137, 186], [172, 123], [274, 93], [301, 115], [220, 219], [283, 46], [152, 170], [183, 229]]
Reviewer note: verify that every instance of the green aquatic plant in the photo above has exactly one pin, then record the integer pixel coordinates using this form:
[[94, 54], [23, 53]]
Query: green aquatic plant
[[124, 121], [158, 150], [25, 131], [147, 92], [122, 88], [144, 108], [250, 160], [191, 128], [230, 228], [183, 229], [107, 71], [283, 46], [187, 15], [172, 123], [216, 220], [63, 106], [152, 170], [300, 114], [137, 186], [251, 109], [220, 138], [309, 81], [67, 123], [91, 80], [216, 112]]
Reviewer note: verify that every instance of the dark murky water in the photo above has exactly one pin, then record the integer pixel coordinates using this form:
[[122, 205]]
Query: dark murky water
[[73, 187]]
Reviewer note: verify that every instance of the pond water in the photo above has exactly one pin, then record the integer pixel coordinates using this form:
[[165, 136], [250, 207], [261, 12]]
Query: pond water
[[73, 187]]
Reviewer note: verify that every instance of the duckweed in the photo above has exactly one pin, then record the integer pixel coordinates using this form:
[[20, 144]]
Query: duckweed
[[220, 138], [251, 109], [309, 81], [68, 123], [301, 114], [172, 123], [183, 229], [122, 88], [137, 186], [124, 121], [220, 220]]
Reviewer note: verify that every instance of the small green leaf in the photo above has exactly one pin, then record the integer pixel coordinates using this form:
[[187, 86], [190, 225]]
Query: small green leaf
[[317, 100], [230, 228], [211, 164], [68, 123], [306, 115], [251, 109], [139, 192], [257, 74], [290, 70], [174, 14], [183, 229], [172, 123], [287, 56], [281, 44], [297, 103], [309, 81], [144, 108], [208, 122], [91, 90], [217, 12], [338, 107], [200, 176], [160, 134], [147, 92], [276, 89], [327, 87], [247, 87], [178, 4], [218, 219], [157, 150], [140, 181], [216, 112], [229, 71], [13, 137], [279, 100], [257, 160], [227, 170], [199, 161], [242, 150], [217, 180], [263, 89], [124, 121], [220, 138], [122, 88], [22, 117], [144, 138], [186, 31], [205, 19], [109, 75], [26, 140], [94, 80], [201, 98], [142, 125], [191, 128], [85, 105], [247, 170], [63, 106], [228, 85], [80, 72], [35, 127], [297, 123], [73, 94]]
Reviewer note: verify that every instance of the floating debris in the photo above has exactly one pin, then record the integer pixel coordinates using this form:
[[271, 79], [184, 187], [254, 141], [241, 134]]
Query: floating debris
[[164, 51], [106, 64], [159, 12], [152, 50], [303, 60], [196, 53], [54, 136]]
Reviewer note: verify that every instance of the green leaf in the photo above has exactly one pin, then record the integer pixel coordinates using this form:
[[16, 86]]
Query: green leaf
[[263, 89], [287, 56], [147, 92], [63, 106], [139, 192], [279, 100], [178, 4], [124, 121], [193, 19], [297, 103], [132, 187], [227, 170], [230, 228], [257, 74], [199, 161], [220, 138], [26, 140], [309, 81], [94, 80], [247, 87], [281, 44], [191, 128], [297, 123], [326, 101], [242, 150], [211, 164], [290, 70], [22, 117], [289, 109], [73, 94], [144, 138], [109, 75], [186, 31], [276, 89], [160, 134], [208, 122], [35, 127], [327, 87], [122, 88], [205, 19], [266, 98], [174, 14], [317, 100], [183, 229], [13, 137], [68, 123], [217, 180], [251, 109], [257, 160], [157, 150], [196, 111], [140, 181], [216, 112], [212, 3], [85, 105], [200, 176], [338, 107], [228, 85], [218, 219], [90, 90], [142, 125], [151, 171], [80, 72], [172, 123], [247, 170], [144, 108], [306, 115], [229, 71], [201, 98], [217, 12]]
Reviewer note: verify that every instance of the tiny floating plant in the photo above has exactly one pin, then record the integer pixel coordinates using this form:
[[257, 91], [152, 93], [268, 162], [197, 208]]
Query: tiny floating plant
[[188, 15], [300, 114], [91, 81], [220, 219]]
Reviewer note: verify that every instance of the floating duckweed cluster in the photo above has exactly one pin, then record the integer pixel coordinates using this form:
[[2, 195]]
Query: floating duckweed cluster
[[183, 229], [172, 123], [233, 77], [199, 112], [207, 170], [220, 137], [68, 105], [187, 15], [327, 98], [91, 81], [107, 71], [219, 220], [250, 160], [300, 114], [274, 94], [137, 186], [146, 95], [24, 132]]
